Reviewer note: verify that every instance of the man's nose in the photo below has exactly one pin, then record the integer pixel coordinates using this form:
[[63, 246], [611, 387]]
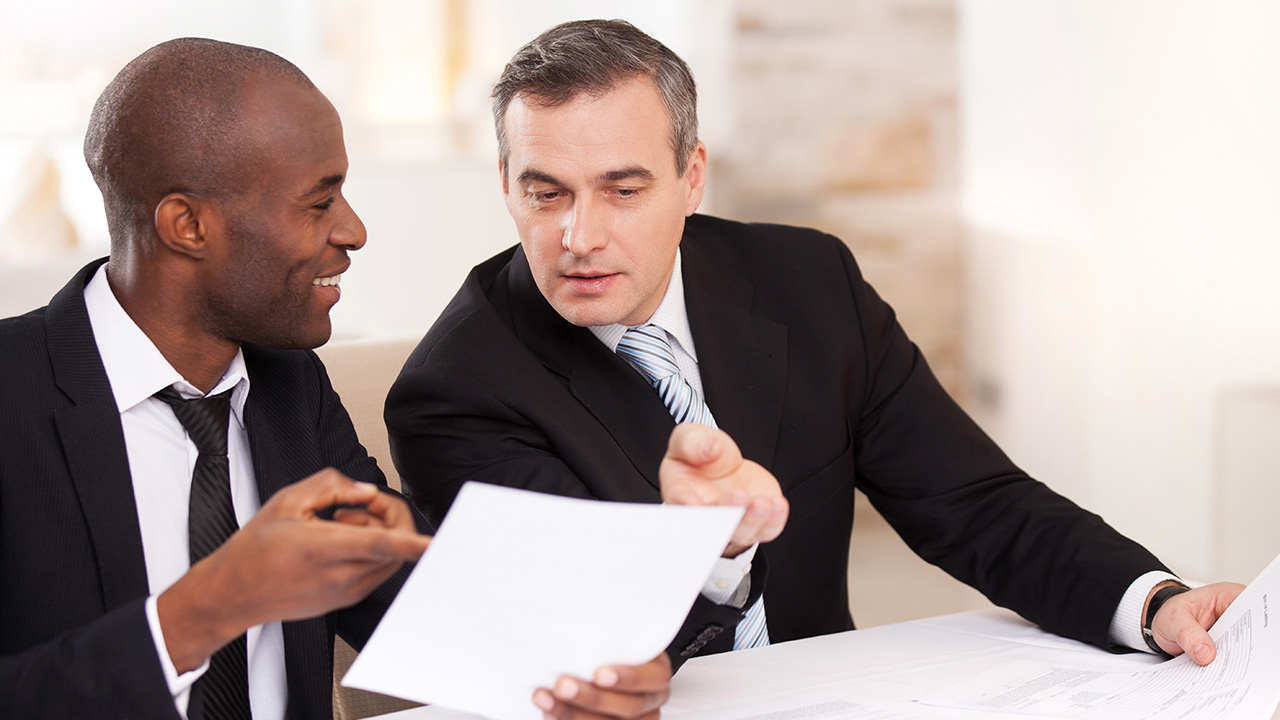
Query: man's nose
[[349, 232], [584, 228]]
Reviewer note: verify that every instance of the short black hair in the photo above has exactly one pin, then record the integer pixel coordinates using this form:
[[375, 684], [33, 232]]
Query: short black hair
[[170, 121]]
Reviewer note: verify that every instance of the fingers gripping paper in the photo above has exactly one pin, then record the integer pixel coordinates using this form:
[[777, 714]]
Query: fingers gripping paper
[[519, 588]]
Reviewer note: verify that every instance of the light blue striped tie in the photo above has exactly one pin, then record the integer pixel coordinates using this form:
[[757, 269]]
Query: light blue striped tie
[[647, 349]]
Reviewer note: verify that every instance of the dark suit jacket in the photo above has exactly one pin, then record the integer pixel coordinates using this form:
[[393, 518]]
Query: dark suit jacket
[[74, 640], [807, 368]]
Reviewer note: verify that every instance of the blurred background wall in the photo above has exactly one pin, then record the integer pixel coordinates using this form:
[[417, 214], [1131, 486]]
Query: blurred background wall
[[1071, 203], [1120, 184]]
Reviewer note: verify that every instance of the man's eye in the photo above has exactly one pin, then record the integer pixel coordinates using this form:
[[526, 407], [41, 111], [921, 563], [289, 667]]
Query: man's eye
[[627, 192], [323, 205], [547, 196]]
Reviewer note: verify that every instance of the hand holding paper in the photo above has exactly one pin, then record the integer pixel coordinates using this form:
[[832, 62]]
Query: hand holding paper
[[703, 466], [630, 691], [1183, 623]]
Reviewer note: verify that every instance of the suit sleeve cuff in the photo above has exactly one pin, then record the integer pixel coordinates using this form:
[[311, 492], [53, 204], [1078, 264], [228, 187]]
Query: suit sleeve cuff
[[179, 684], [1126, 624], [725, 584]]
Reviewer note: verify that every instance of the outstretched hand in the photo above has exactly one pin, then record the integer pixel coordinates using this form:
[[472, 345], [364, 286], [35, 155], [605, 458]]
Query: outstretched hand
[[703, 466], [287, 564], [621, 691], [1182, 623]]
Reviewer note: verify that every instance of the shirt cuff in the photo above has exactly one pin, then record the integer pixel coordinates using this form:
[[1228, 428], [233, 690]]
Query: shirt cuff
[[1126, 624], [728, 575], [179, 685]]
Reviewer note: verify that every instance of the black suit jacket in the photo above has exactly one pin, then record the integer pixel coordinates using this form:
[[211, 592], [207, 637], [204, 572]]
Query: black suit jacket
[[74, 639], [807, 368]]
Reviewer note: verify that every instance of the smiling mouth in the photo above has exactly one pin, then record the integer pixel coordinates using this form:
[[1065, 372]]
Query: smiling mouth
[[331, 281]]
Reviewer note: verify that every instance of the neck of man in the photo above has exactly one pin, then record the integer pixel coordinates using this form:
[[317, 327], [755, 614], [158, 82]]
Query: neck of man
[[164, 312]]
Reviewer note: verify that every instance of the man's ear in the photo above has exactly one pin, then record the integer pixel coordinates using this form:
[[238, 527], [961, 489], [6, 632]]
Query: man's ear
[[183, 223], [506, 188], [696, 174]]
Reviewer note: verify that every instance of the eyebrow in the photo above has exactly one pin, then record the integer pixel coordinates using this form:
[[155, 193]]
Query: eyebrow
[[325, 183], [637, 173], [529, 176], [629, 173]]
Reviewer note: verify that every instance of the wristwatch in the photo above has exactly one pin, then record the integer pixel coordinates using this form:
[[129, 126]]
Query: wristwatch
[[1157, 601]]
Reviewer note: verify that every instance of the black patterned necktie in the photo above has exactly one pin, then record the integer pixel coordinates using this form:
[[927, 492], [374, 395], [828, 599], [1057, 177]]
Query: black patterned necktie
[[224, 687]]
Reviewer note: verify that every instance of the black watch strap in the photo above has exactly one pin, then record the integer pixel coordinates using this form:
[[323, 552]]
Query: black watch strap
[[1157, 601]]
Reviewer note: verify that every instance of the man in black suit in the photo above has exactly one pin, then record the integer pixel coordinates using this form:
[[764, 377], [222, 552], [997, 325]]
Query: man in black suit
[[537, 374], [221, 169]]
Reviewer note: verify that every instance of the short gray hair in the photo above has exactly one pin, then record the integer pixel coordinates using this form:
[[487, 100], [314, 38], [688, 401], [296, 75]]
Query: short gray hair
[[593, 56]]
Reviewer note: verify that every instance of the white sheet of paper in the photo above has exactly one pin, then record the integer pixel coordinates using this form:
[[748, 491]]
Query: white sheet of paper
[[519, 588], [1239, 683]]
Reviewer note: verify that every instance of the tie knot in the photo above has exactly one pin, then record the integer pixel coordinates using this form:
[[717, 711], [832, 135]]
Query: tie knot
[[205, 419], [647, 348]]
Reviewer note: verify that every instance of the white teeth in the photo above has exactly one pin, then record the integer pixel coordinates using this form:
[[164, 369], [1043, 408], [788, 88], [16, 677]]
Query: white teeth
[[327, 281]]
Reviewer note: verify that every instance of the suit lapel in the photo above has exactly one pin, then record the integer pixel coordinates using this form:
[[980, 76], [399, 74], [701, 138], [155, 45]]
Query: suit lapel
[[280, 416], [622, 400], [261, 419], [742, 358], [271, 409], [93, 442], [626, 404]]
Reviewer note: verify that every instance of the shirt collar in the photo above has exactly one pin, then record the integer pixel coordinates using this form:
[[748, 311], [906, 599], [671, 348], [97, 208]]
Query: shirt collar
[[135, 368], [670, 316]]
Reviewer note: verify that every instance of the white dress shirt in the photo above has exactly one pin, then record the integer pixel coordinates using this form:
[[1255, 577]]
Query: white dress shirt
[[161, 461], [1126, 624]]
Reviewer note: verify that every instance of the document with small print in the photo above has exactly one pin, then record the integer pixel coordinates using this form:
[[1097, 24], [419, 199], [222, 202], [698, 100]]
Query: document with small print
[[1240, 684]]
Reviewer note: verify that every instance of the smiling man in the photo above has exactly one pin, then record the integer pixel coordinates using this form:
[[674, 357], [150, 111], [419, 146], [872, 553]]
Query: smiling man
[[562, 364], [165, 444]]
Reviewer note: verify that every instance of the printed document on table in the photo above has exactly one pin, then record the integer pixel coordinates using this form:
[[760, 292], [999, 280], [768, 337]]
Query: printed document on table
[[519, 588], [1239, 684]]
